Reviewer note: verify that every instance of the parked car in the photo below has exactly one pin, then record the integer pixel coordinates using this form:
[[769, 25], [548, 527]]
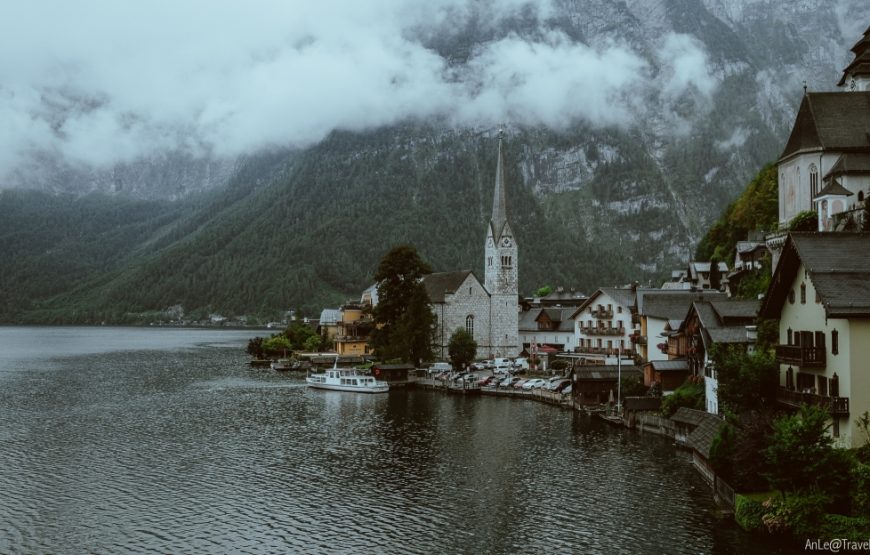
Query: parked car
[[488, 380], [519, 384], [560, 385], [439, 367], [535, 383], [478, 366], [509, 381]]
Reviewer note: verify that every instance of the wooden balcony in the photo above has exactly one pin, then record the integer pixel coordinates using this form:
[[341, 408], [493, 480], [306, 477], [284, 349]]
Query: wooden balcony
[[602, 331], [602, 312], [804, 357], [836, 406]]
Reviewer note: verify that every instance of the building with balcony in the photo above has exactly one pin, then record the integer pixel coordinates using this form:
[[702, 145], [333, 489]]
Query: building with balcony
[[655, 308], [603, 325], [355, 325], [553, 327], [820, 292]]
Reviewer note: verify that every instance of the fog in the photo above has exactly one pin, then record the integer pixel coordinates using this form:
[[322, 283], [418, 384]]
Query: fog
[[97, 82]]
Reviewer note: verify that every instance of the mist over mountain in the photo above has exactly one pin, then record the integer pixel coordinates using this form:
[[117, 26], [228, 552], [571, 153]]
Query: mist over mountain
[[303, 140]]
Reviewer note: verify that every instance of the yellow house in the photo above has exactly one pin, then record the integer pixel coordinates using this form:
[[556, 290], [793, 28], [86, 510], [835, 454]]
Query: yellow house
[[354, 327], [820, 292]]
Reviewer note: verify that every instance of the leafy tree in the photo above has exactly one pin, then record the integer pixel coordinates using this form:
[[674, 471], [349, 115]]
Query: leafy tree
[[801, 456], [746, 381], [312, 344], [804, 221], [544, 291], [403, 316], [632, 386], [299, 333], [277, 346], [690, 394], [734, 453], [715, 273], [255, 348], [462, 348]]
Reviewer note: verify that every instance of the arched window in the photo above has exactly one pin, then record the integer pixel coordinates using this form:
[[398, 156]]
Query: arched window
[[814, 180], [860, 196], [803, 293], [469, 325]]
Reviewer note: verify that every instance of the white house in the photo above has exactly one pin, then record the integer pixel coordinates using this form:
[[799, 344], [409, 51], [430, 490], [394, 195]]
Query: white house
[[820, 292]]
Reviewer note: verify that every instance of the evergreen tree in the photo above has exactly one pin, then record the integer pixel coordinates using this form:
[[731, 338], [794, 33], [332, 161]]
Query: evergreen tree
[[402, 316], [462, 348]]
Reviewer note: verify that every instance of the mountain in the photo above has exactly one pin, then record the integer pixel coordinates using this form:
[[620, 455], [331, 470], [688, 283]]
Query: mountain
[[594, 202]]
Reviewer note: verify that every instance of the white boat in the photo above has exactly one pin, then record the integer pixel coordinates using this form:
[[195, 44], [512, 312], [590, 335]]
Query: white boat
[[346, 379]]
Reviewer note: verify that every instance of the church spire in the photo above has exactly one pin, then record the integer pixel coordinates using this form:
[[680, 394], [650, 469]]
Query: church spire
[[499, 205]]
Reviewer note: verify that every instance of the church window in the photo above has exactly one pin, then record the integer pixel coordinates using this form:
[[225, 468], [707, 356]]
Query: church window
[[791, 297], [835, 342], [469, 325], [814, 180], [803, 293], [860, 196]]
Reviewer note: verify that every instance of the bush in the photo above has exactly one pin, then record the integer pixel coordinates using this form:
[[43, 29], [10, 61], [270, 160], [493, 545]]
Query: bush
[[854, 528], [748, 513], [800, 515], [860, 489], [690, 395]]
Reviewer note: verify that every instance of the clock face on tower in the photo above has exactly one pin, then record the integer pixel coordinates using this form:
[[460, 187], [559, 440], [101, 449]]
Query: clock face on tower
[[506, 242], [489, 242]]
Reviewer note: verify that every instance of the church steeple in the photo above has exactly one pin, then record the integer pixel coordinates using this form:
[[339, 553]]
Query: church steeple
[[499, 204], [856, 76]]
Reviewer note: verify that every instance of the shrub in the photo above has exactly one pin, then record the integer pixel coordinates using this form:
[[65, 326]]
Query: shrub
[[801, 515], [748, 513], [690, 395], [854, 528], [860, 489]]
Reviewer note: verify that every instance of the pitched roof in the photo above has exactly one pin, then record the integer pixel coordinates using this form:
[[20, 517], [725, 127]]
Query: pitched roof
[[667, 305], [735, 309], [685, 415], [749, 246], [701, 439], [529, 320], [831, 120], [592, 373], [679, 365], [838, 264], [621, 295], [833, 188], [850, 163], [499, 200], [329, 316], [440, 284]]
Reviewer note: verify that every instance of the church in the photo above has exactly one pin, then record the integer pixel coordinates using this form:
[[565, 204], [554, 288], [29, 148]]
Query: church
[[825, 166], [489, 311]]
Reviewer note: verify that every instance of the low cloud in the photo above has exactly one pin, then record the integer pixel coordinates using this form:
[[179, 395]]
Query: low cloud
[[99, 82]]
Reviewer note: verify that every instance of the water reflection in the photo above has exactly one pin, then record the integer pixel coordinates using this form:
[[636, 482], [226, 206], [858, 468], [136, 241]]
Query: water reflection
[[185, 449]]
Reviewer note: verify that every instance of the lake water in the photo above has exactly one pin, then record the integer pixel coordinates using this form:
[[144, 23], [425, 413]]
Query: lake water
[[132, 440]]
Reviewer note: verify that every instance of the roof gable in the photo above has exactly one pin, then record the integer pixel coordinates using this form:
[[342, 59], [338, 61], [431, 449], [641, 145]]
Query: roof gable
[[441, 284], [831, 120], [837, 263]]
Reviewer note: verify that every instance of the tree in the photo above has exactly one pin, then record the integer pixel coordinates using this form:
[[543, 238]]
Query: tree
[[544, 291], [462, 348], [746, 381], [403, 317], [804, 221], [715, 274], [801, 456]]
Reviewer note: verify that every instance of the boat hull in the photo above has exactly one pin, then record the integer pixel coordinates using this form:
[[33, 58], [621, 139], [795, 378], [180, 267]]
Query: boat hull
[[349, 388]]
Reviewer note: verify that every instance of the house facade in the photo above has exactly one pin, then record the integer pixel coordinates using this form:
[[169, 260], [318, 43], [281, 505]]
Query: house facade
[[553, 327], [603, 325], [820, 292]]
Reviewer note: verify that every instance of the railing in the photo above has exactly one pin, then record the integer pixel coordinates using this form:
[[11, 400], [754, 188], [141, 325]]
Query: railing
[[346, 338], [611, 351], [837, 406], [602, 331], [602, 312], [805, 357]]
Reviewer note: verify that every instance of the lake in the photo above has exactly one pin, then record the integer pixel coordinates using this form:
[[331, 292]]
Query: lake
[[131, 440]]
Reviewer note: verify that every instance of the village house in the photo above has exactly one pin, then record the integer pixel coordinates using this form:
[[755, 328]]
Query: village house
[[820, 293], [603, 325], [598, 385], [715, 321], [553, 327], [355, 325], [655, 308]]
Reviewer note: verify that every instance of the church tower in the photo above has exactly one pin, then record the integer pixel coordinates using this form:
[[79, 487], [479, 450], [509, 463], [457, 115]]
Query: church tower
[[856, 77], [500, 271]]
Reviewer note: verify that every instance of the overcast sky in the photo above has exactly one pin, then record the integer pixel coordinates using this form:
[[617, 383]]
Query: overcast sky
[[103, 81]]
